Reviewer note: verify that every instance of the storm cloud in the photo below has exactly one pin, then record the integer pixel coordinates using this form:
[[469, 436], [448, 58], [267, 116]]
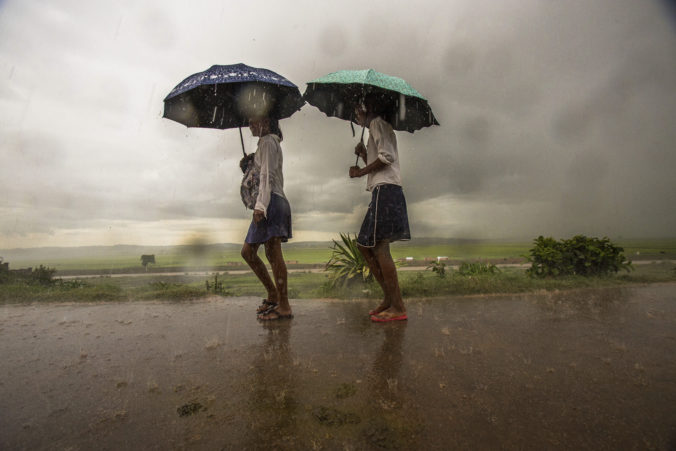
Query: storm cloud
[[556, 117]]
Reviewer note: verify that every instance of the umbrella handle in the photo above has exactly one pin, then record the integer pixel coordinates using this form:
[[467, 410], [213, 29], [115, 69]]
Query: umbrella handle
[[241, 138], [362, 141]]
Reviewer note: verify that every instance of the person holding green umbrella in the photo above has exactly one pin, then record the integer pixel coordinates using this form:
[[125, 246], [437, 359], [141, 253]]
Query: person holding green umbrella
[[381, 103], [386, 219]]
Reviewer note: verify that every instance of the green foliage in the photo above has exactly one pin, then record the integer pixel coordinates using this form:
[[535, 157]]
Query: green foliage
[[59, 291], [417, 286], [439, 268], [347, 264], [475, 269], [160, 289], [576, 256], [43, 275], [71, 284], [216, 286], [308, 285]]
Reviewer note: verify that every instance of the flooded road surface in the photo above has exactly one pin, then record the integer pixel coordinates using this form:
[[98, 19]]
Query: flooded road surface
[[570, 370]]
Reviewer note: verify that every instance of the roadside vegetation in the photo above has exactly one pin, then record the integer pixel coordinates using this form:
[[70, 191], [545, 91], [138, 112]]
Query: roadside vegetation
[[595, 263], [579, 255]]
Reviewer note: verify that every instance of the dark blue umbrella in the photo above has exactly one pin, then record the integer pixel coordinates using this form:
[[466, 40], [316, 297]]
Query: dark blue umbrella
[[227, 96]]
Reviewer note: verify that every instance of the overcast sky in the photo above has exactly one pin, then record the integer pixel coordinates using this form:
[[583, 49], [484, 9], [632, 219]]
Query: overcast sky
[[557, 117]]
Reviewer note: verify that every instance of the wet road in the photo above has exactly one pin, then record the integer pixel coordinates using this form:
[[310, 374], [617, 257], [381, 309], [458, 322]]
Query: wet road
[[570, 370]]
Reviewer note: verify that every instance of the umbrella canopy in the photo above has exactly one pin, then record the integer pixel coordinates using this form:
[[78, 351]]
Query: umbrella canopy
[[338, 93], [227, 96]]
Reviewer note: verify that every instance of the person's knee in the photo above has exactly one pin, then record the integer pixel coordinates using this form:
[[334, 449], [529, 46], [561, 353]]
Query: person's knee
[[382, 248], [273, 248], [367, 252], [247, 253]]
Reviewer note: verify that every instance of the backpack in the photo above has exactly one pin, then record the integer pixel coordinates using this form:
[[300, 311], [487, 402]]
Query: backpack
[[250, 182]]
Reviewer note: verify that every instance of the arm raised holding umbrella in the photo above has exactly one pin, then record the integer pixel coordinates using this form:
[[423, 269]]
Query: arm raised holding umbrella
[[271, 222], [386, 219], [233, 96], [382, 103]]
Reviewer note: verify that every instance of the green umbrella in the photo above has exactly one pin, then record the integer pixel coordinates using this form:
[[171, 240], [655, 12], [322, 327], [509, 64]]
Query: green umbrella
[[337, 94]]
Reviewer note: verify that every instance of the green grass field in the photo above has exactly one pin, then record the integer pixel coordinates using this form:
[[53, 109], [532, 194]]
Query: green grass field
[[121, 259]]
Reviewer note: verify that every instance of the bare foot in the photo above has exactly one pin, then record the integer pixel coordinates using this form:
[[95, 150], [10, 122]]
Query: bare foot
[[384, 305], [389, 315]]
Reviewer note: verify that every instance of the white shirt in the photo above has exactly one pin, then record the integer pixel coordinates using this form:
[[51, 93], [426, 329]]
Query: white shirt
[[382, 144], [268, 160]]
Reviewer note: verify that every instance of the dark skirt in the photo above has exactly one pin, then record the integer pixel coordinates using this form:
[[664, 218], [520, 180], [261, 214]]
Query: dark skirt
[[386, 218], [277, 223]]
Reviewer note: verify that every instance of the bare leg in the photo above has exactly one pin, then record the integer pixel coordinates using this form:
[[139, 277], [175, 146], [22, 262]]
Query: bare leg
[[273, 251], [250, 256], [390, 279], [374, 266]]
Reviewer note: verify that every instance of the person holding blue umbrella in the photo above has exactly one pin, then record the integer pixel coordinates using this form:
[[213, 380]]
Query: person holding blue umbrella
[[271, 223], [234, 96]]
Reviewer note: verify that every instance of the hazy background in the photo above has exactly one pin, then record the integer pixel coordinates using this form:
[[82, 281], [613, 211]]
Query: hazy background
[[556, 118]]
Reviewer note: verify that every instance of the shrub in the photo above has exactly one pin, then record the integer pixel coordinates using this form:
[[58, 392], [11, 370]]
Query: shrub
[[43, 275], [579, 255], [439, 268], [347, 264]]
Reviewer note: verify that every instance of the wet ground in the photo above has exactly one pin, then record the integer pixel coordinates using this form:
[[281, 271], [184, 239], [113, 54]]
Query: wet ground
[[570, 370]]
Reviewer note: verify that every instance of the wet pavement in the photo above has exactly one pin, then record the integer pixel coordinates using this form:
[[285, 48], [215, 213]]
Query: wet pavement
[[587, 369]]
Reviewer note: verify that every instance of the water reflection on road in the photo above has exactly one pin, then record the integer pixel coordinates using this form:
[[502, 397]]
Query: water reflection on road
[[590, 369]]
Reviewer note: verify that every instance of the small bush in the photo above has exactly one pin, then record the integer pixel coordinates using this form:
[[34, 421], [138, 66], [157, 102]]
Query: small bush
[[43, 275], [576, 256], [439, 268]]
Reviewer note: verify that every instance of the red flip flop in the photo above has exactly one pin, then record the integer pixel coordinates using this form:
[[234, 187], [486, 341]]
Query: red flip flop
[[387, 319]]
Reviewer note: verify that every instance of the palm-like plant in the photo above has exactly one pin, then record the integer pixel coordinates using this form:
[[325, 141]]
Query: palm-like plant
[[347, 264]]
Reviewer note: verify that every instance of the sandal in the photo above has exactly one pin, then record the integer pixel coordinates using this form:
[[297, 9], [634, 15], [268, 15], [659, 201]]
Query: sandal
[[265, 306], [277, 316], [384, 317]]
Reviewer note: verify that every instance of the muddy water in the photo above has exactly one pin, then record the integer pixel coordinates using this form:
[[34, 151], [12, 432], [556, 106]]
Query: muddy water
[[574, 370]]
